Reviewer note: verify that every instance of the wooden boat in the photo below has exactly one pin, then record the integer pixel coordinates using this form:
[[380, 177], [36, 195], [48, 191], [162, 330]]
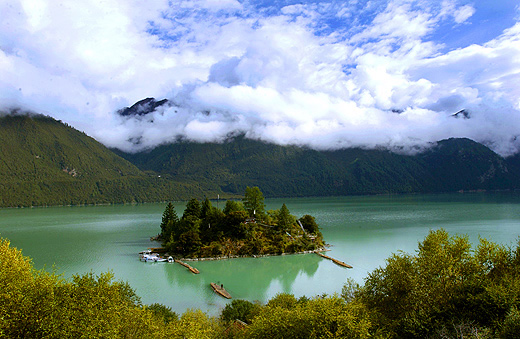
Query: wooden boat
[[192, 269], [336, 261], [220, 290]]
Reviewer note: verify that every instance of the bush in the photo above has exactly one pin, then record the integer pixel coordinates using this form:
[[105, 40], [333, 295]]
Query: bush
[[242, 310]]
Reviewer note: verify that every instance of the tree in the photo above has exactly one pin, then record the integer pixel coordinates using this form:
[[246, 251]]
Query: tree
[[193, 208], [234, 224], [240, 309], [254, 202], [205, 208], [233, 206], [163, 312], [169, 221], [445, 287], [189, 242], [309, 224], [285, 219], [38, 304]]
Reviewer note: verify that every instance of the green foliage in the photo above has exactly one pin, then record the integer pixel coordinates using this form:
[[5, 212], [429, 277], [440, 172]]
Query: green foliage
[[283, 300], [206, 231], [445, 286], [37, 304], [193, 209], [233, 206], [194, 324], [169, 222], [240, 309], [309, 224], [285, 220], [511, 325], [445, 290], [45, 162], [283, 171], [254, 202], [163, 312], [328, 317]]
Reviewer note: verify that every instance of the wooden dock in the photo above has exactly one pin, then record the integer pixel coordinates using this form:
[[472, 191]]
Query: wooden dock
[[220, 290], [192, 269], [336, 261]]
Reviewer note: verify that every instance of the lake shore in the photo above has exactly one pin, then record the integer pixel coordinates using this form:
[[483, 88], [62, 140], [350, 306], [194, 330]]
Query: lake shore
[[323, 249]]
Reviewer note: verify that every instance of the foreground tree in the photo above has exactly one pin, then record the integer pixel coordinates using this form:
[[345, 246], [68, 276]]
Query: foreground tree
[[37, 304], [444, 288]]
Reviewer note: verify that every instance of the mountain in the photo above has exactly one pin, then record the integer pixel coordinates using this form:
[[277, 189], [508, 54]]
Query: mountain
[[45, 162], [143, 107], [451, 165]]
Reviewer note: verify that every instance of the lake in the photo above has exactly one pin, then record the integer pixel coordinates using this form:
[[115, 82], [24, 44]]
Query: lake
[[362, 231]]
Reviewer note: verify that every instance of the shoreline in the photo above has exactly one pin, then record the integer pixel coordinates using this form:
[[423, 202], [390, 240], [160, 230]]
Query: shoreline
[[252, 256]]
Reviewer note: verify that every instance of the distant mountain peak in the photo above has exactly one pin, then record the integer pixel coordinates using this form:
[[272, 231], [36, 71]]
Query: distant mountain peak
[[463, 113], [143, 107]]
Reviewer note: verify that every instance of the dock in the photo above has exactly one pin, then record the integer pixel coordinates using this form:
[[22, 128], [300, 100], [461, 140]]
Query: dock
[[192, 269], [336, 261], [220, 290]]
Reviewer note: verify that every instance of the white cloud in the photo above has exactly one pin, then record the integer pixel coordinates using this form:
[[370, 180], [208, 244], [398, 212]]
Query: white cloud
[[325, 75], [463, 13]]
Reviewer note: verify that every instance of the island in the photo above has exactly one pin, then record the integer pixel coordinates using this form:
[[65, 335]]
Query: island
[[241, 228]]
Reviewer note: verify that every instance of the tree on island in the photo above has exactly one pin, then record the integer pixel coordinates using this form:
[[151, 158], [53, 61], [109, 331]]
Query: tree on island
[[206, 231], [285, 219], [254, 202], [169, 221]]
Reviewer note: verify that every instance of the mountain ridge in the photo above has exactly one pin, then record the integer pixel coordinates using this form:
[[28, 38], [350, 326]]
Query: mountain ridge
[[46, 162]]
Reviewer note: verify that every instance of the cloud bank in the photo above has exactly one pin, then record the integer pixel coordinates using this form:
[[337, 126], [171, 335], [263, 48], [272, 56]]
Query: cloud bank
[[325, 75]]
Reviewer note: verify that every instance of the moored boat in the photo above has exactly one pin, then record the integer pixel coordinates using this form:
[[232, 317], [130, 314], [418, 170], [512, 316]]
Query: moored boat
[[220, 290], [149, 256]]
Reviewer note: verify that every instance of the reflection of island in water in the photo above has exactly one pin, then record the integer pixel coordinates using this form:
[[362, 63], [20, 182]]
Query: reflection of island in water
[[243, 277]]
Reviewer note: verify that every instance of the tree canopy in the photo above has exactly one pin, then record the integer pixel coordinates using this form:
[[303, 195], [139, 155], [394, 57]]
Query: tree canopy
[[254, 202], [206, 231]]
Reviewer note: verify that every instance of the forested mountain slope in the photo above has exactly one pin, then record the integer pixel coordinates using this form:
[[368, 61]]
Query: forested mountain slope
[[45, 162], [450, 165]]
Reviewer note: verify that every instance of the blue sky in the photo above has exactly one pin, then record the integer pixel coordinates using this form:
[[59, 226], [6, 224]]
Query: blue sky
[[324, 74]]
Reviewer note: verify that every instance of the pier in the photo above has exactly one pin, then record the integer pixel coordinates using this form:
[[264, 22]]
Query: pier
[[192, 269], [336, 261], [220, 290]]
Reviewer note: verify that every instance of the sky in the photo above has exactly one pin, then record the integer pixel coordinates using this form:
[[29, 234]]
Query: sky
[[320, 74]]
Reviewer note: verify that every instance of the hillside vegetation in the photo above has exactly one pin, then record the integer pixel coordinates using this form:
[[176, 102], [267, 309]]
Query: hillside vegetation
[[45, 162], [451, 165]]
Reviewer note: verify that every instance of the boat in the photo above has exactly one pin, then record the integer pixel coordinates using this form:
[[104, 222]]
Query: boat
[[149, 256], [191, 269], [220, 290], [336, 261]]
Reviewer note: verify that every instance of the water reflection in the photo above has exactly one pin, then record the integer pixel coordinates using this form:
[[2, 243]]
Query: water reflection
[[246, 277]]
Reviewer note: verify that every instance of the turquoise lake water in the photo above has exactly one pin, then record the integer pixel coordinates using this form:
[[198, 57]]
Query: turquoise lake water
[[362, 231]]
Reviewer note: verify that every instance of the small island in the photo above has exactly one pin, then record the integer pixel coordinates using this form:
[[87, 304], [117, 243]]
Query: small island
[[242, 228]]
